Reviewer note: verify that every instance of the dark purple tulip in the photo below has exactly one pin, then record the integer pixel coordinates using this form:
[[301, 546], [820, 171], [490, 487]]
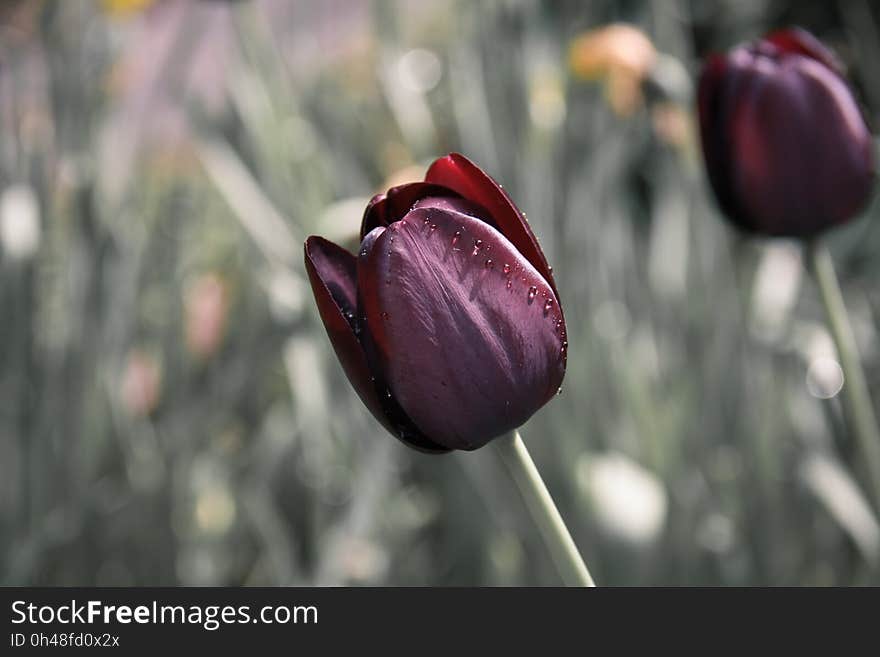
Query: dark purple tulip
[[786, 146], [447, 323]]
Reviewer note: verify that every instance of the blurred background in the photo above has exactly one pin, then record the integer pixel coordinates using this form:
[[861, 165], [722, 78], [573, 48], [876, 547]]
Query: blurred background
[[171, 411]]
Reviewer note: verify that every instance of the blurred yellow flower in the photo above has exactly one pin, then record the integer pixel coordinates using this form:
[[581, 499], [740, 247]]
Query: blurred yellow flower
[[124, 7], [619, 55]]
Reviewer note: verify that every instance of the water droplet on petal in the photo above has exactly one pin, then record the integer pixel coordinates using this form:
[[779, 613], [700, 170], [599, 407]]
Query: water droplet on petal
[[506, 268], [550, 271], [509, 284], [385, 315], [433, 227], [455, 237], [559, 390], [478, 244], [547, 306], [533, 292], [489, 263], [363, 252]]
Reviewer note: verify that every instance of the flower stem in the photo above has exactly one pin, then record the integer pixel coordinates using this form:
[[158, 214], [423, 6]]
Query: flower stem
[[562, 547], [856, 399]]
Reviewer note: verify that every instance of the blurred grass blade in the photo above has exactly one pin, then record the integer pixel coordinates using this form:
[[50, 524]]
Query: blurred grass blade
[[841, 496], [258, 216], [857, 399]]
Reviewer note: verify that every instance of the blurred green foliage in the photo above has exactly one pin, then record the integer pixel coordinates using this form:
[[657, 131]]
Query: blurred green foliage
[[171, 411]]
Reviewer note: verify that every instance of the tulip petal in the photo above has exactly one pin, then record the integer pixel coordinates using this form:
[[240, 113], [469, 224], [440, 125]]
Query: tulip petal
[[713, 100], [331, 270], [385, 209], [460, 205], [458, 173], [802, 152], [467, 332], [799, 41]]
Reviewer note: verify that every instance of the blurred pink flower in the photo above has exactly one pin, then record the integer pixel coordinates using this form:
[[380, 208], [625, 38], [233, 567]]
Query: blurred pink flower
[[141, 383], [207, 310]]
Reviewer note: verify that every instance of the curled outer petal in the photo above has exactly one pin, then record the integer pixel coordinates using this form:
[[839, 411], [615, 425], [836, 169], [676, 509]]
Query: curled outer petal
[[384, 209], [799, 41], [331, 270], [459, 174]]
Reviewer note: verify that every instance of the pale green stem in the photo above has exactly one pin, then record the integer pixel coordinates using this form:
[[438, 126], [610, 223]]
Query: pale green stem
[[542, 508], [856, 400]]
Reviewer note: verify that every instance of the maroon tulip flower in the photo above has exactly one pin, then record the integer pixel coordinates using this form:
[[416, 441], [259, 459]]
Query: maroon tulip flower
[[786, 146], [447, 323]]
